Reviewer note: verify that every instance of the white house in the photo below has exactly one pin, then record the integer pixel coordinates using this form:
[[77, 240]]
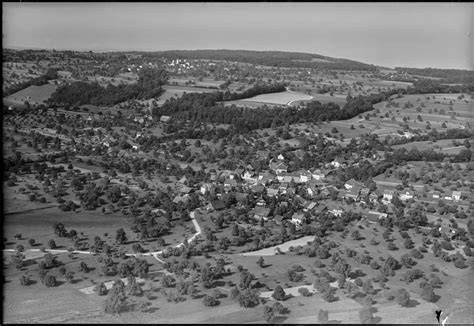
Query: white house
[[388, 195], [406, 195], [456, 195], [297, 219], [317, 174]]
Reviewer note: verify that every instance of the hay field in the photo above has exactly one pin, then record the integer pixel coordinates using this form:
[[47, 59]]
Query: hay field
[[32, 94], [282, 98]]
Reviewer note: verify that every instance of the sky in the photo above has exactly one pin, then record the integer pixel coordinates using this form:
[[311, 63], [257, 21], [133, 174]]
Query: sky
[[437, 35]]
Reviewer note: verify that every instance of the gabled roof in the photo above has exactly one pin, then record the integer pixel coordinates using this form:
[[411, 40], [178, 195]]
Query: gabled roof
[[261, 211], [258, 188], [217, 204], [185, 189], [240, 196], [278, 166], [271, 191], [298, 216]]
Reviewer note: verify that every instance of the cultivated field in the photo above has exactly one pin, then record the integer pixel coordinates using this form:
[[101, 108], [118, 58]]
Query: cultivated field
[[282, 98]]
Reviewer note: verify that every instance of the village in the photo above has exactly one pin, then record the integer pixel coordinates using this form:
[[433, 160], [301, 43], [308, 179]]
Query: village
[[179, 201]]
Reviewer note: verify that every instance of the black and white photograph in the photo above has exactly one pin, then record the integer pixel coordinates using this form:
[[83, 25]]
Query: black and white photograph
[[238, 163]]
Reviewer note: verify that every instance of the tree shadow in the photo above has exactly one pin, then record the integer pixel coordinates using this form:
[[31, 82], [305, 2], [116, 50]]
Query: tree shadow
[[413, 303], [279, 319], [436, 298], [219, 283], [334, 321], [376, 320], [59, 283], [77, 280], [376, 291], [153, 309], [199, 296]]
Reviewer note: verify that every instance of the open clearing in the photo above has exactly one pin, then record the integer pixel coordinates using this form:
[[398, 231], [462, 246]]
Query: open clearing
[[282, 98], [270, 251], [32, 94]]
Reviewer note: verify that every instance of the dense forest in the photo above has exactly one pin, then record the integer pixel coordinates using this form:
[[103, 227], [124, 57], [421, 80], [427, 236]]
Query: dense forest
[[149, 85], [266, 58], [51, 74]]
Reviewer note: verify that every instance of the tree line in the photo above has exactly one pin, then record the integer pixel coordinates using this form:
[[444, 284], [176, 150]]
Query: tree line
[[38, 81], [149, 85]]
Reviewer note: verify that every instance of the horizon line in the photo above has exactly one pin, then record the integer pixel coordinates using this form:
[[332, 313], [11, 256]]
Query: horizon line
[[80, 49]]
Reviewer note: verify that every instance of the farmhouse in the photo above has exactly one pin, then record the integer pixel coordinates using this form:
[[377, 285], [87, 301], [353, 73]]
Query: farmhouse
[[353, 183], [279, 167], [435, 194], [272, 192], [374, 216], [406, 195], [312, 190], [249, 176], [165, 119], [388, 195], [353, 193], [318, 174], [217, 205], [261, 213], [297, 219], [305, 176], [205, 188], [230, 182], [337, 211], [456, 196]]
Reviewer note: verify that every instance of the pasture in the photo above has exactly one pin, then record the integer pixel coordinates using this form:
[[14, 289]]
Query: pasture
[[281, 98], [445, 146], [32, 94]]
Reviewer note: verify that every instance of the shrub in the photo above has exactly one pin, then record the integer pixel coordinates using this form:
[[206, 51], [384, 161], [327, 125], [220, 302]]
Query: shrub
[[403, 297], [279, 293], [210, 301], [24, 280], [50, 281], [304, 292]]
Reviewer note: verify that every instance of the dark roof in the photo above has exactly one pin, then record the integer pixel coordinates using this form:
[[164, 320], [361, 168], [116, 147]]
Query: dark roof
[[217, 204]]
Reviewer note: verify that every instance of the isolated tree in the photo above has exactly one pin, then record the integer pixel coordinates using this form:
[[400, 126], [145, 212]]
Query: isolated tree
[[323, 316], [32, 242], [69, 276], [427, 293], [328, 294], [367, 287], [83, 267], [24, 280], [116, 298], [52, 244], [120, 236], [268, 314], [366, 316], [49, 260], [260, 262], [50, 281], [101, 289], [210, 301], [279, 293], [403, 297], [62, 270]]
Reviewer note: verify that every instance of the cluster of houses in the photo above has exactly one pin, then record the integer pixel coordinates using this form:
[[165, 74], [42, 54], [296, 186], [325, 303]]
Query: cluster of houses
[[274, 183], [405, 195]]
